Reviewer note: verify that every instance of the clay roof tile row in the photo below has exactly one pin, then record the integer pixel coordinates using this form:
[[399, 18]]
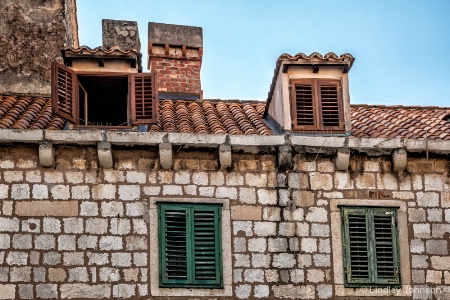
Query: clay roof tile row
[[226, 117]]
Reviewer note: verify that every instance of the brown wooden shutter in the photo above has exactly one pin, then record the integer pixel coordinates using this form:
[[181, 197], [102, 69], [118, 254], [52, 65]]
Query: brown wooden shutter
[[330, 104], [144, 106], [316, 105], [303, 105], [64, 92]]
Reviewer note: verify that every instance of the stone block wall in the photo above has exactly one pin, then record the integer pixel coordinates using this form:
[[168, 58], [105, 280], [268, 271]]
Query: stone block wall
[[78, 231]]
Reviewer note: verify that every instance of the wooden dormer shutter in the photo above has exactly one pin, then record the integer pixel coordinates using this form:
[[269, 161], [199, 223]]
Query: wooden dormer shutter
[[316, 105], [64, 92], [330, 104], [302, 92], [144, 105]]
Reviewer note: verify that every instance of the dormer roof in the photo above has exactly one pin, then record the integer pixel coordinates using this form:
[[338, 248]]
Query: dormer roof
[[102, 53]]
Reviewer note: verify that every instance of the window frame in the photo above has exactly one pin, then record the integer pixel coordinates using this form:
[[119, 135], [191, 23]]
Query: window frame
[[190, 209], [369, 212], [227, 254], [74, 115], [315, 84]]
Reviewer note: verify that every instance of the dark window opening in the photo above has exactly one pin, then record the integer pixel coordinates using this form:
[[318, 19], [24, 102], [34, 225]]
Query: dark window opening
[[109, 100], [447, 118], [103, 100]]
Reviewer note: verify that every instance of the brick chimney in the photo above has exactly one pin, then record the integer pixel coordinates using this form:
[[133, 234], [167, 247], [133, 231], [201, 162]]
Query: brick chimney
[[175, 54]]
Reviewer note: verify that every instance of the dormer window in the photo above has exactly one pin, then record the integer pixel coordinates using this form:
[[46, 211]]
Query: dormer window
[[104, 99], [310, 94], [316, 105]]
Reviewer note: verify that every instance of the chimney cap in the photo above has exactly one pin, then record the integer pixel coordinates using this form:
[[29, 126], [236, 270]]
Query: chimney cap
[[176, 35]]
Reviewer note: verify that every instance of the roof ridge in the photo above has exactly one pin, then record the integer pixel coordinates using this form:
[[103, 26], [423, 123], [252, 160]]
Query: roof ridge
[[226, 101], [398, 106]]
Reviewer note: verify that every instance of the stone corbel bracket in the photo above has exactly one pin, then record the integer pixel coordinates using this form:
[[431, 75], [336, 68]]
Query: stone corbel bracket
[[104, 153], [225, 160], [46, 154], [399, 160], [165, 156], [343, 159], [285, 157]]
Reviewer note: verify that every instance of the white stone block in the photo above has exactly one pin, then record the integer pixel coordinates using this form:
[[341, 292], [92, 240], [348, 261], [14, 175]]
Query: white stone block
[[89, 209], [81, 192], [20, 191], [52, 225], [283, 260], [129, 192], [267, 197], [60, 191]]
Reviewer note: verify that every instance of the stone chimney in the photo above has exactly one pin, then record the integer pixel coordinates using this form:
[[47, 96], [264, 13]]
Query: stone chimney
[[175, 54], [32, 33], [124, 34]]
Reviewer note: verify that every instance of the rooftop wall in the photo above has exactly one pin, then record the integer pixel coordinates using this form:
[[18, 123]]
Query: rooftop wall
[[81, 231]]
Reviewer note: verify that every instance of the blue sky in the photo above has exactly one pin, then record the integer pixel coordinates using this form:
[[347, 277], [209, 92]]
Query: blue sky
[[401, 47]]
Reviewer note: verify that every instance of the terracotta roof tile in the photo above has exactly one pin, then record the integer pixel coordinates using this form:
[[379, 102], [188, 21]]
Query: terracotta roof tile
[[218, 117], [401, 121], [227, 117], [28, 113]]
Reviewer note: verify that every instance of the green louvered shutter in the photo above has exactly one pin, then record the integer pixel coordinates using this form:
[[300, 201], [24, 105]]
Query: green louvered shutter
[[207, 245], [173, 237], [356, 246], [386, 244], [190, 245], [370, 245]]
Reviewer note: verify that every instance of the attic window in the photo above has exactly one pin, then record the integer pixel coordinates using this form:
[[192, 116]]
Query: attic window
[[316, 105], [104, 99]]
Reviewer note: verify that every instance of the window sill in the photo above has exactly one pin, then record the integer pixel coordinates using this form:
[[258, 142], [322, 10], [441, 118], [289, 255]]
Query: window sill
[[403, 291]]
